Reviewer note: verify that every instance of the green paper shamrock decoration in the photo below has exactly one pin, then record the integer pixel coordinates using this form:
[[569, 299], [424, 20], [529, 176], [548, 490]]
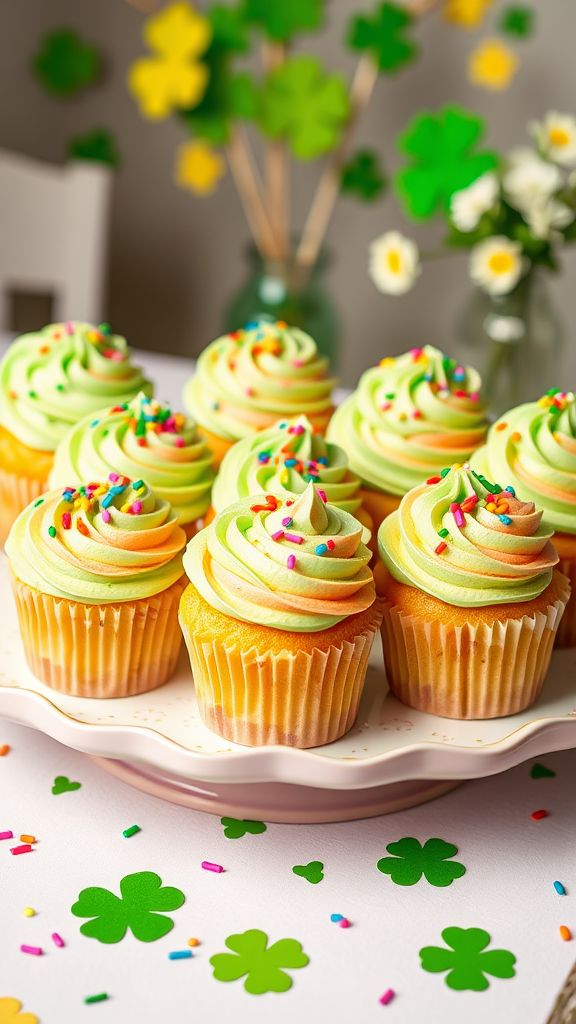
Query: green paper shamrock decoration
[[140, 909], [313, 872], [304, 104], [263, 967], [383, 35], [228, 29], [362, 175], [540, 771], [444, 160], [518, 21], [98, 146], [282, 20], [467, 960], [409, 861], [236, 828], [65, 63], [62, 784]]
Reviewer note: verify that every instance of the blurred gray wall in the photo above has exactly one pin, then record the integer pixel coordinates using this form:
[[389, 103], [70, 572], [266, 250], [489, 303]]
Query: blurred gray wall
[[175, 259]]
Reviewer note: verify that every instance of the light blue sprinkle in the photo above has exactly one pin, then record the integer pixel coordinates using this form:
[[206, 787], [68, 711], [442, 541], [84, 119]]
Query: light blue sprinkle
[[505, 519], [321, 549], [560, 888], [95, 423], [180, 954], [336, 917], [511, 491]]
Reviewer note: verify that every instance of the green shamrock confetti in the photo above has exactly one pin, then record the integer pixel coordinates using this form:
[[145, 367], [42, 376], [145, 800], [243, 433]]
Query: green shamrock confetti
[[304, 104], [65, 63], [383, 35], [62, 784], [363, 176], [409, 861], [263, 967], [518, 21], [98, 146], [312, 872], [441, 146], [139, 908], [540, 771], [467, 960], [282, 21], [236, 828]]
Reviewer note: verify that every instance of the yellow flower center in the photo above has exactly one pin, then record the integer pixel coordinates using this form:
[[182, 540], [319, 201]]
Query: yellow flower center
[[558, 137], [501, 262], [394, 261]]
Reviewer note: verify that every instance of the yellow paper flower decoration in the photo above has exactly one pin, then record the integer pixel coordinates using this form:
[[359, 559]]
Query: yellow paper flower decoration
[[199, 167], [466, 13], [492, 65], [10, 1012], [174, 77]]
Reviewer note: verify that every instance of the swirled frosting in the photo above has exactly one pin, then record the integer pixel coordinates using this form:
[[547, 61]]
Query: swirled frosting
[[283, 461], [141, 438], [247, 380], [409, 417], [54, 377], [468, 542], [297, 565], [534, 446], [98, 544]]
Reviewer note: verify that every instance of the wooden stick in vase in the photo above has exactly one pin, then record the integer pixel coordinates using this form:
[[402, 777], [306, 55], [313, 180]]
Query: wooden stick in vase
[[250, 192], [277, 165]]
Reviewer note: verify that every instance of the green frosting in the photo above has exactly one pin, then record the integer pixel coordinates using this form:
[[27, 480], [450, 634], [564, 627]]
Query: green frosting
[[496, 552], [100, 544], [408, 417], [282, 461], [141, 438], [248, 565], [247, 380], [54, 377], [534, 446]]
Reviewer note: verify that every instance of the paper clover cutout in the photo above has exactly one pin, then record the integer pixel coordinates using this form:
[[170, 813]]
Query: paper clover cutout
[[305, 105], [98, 146], [264, 967], [139, 909], [363, 176], [236, 828], [10, 1012], [467, 959], [282, 21], [383, 35], [409, 861], [65, 63], [518, 21]]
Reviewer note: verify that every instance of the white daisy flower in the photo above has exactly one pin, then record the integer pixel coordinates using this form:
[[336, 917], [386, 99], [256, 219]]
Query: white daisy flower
[[394, 263], [556, 137], [530, 181], [468, 205], [546, 217], [496, 264]]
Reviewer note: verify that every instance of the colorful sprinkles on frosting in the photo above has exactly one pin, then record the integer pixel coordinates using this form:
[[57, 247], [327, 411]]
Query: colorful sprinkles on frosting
[[497, 504]]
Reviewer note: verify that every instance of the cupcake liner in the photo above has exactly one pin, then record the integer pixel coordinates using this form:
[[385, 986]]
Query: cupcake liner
[[16, 492], [483, 671], [302, 699], [566, 635], [109, 650]]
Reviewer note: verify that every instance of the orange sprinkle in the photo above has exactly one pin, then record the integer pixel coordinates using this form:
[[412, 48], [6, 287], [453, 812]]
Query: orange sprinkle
[[27, 839], [82, 528], [193, 942], [501, 426], [565, 933], [515, 436], [4, 749]]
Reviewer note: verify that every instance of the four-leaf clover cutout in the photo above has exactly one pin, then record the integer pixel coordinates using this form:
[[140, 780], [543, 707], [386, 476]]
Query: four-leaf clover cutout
[[409, 861], [236, 828], [383, 35], [264, 967], [362, 175], [10, 1012], [66, 63], [467, 959], [441, 146], [140, 908], [304, 104], [281, 21]]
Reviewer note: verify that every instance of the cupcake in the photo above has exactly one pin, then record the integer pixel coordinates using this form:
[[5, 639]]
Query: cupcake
[[141, 438], [279, 619], [97, 576], [534, 447], [472, 601], [48, 381], [408, 417], [283, 460], [246, 381]]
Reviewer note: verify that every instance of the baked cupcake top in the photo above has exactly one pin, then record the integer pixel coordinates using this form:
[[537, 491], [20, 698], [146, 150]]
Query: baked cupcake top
[[534, 446], [283, 460], [408, 418], [98, 543], [247, 380], [52, 378], [141, 438], [468, 542], [297, 565]]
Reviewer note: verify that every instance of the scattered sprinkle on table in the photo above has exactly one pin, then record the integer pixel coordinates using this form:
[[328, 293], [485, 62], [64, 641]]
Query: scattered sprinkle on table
[[29, 912], [57, 940], [344, 923], [27, 839], [537, 815], [209, 866], [387, 997], [180, 954], [131, 831], [100, 997], [193, 942], [26, 848], [6, 835], [560, 889], [4, 749], [336, 917], [34, 950], [565, 933]]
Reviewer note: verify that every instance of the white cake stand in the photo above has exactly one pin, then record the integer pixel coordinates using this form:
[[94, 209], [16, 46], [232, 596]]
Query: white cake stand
[[393, 758]]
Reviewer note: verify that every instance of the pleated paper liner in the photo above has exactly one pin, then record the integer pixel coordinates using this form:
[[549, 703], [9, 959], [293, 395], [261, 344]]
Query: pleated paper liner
[[299, 698], [16, 492], [108, 650], [471, 671]]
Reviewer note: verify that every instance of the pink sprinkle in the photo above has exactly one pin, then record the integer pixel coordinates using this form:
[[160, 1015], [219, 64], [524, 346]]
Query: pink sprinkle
[[180, 442], [249, 392], [322, 496], [209, 866], [330, 544], [34, 950], [458, 514], [387, 997], [474, 396], [26, 848], [137, 507], [69, 327], [113, 477], [278, 535], [344, 923], [293, 537], [385, 406], [6, 835], [415, 353], [57, 940], [66, 520], [287, 521], [106, 515], [291, 562], [298, 362]]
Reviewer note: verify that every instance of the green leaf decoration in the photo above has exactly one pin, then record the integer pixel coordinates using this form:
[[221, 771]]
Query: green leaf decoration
[[98, 146], [540, 771], [263, 967], [229, 33], [383, 34], [313, 872], [236, 828], [410, 861], [139, 908], [304, 104], [467, 960], [444, 159], [281, 20], [362, 175], [65, 63], [518, 21]]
